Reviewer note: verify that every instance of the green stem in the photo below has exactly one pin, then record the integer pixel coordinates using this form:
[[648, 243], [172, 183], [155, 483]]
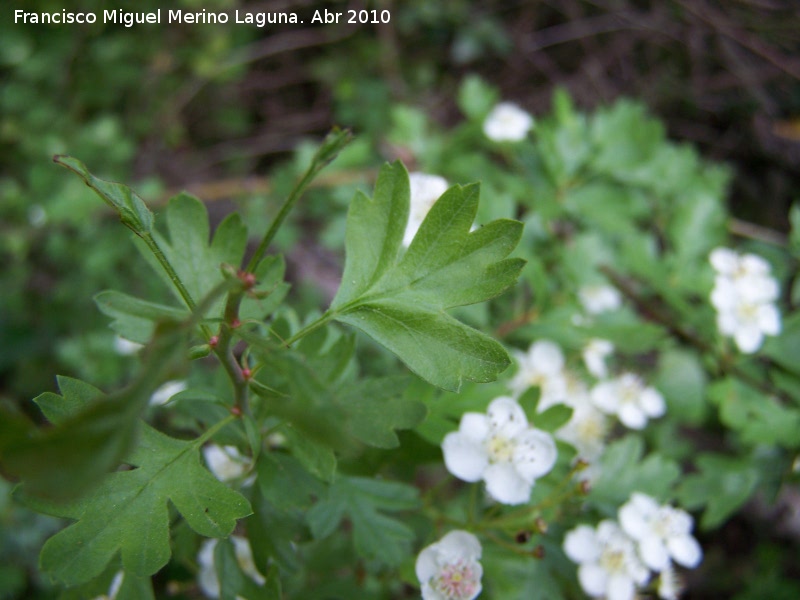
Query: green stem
[[224, 351], [327, 316], [211, 432], [333, 143], [173, 276], [295, 194]]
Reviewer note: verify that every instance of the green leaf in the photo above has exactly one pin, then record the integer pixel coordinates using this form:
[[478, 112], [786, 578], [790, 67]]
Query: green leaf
[[274, 533], [785, 348], [317, 458], [758, 418], [553, 418], [128, 512], [197, 262], [285, 483], [132, 210], [135, 319], [722, 486], [794, 236], [92, 433], [624, 471], [131, 587], [399, 298], [476, 98], [363, 501], [375, 408], [683, 381], [374, 232], [331, 410], [625, 137]]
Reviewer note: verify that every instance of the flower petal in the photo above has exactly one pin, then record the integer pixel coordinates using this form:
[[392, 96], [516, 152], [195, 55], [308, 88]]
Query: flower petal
[[654, 553], [505, 485], [474, 426], [632, 416], [506, 416], [652, 402], [581, 546], [463, 457], [427, 564], [620, 587], [535, 454], [685, 550], [459, 545], [748, 338], [593, 579], [724, 260], [605, 396]]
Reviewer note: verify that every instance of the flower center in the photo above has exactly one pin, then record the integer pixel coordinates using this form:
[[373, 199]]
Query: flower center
[[457, 581], [500, 449], [747, 312], [613, 561], [591, 429]]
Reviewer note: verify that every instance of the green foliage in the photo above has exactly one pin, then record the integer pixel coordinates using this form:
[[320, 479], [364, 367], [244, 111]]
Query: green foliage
[[363, 500], [399, 298], [338, 478], [722, 485], [128, 512], [758, 419], [624, 470]]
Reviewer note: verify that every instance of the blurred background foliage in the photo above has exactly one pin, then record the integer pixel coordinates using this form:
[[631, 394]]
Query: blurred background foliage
[[229, 113]]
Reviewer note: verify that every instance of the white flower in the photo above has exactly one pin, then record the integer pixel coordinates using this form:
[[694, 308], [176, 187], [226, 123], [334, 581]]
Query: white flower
[[608, 564], [629, 399], [207, 577], [661, 532], [425, 191], [594, 356], [449, 569], [165, 392], [507, 122], [125, 347], [743, 295], [502, 449], [225, 462], [543, 367], [599, 298], [587, 429]]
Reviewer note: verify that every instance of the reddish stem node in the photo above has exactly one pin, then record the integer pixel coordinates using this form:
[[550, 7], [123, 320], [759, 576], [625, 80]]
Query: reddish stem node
[[248, 279]]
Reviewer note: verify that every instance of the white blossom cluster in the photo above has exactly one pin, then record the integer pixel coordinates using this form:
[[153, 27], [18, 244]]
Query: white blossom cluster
[[616, 558], [744, 296], [625, 396], [449, 569]]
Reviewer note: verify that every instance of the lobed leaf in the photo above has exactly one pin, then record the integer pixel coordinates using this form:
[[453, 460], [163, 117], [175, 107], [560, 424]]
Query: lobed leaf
[[195, 260], [128, 513], [364, 501], [400, 299]]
